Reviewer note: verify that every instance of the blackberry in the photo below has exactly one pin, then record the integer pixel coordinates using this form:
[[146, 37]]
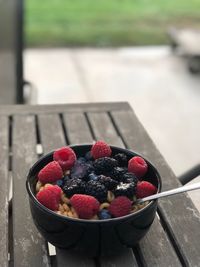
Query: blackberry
[[104, 165], [117, 173], [108, 182], [81, 170], [122, 159], [124, 189], [97, 190], [92, 176], [74, 186], [130, 178]]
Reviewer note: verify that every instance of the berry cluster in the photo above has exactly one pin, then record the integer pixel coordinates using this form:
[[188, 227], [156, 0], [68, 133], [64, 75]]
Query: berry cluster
[[99, 185]]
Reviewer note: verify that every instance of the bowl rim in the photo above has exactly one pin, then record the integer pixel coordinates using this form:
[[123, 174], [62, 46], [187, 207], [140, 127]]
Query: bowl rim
[[78, 220]]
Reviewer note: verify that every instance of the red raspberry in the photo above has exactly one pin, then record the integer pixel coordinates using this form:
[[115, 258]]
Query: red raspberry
[[50, 196], [100, 149], [120, 206], [138, 166], [65, 157], [55, 188], [50, 173], [85, 206], [145, 189]]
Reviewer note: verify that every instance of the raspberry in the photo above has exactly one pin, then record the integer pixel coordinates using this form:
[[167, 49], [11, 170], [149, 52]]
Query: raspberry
[[100, 149], [55, 189], [138, 166], [65, 156], [120, 206], [145, 189], [50, 196], [85, 206], [50, 173]]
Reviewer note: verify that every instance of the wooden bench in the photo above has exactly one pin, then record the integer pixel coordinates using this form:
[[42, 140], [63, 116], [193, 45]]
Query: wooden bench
[[26, 132]]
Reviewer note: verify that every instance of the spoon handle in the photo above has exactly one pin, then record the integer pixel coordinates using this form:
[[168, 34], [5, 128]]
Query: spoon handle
[[171, 192]]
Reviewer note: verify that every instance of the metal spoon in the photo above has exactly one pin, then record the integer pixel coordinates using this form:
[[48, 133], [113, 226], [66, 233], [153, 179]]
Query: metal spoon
[[170, 192]]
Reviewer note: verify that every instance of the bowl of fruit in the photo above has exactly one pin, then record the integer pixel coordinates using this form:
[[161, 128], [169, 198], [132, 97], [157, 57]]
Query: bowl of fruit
[[84, 198]]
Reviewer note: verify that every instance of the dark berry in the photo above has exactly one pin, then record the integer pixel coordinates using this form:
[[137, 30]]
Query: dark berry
[[92, 176], [108, 182], [104, 214], [104, 165], [62, 181], [122, 159], [129, 177], [117, 173], [88, 156], [81, 170], [59, 182], [74, 186], [97, 190], [81, 160], [127, 190]]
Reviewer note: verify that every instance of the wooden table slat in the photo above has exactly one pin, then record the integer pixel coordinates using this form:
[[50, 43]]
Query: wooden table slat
[[68, 259], [29, 246], [178, 212], [49, 142], [78, 131], [61, 108], [156, 248], [104, 129], [50, 132], [124, 259], [4, 154]]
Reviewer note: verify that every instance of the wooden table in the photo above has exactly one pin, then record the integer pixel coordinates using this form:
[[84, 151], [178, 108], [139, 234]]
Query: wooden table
[[26, 132]]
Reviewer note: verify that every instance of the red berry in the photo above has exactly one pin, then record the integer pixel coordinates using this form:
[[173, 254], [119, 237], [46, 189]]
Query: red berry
[[65, 156], [85, 206], [138, 166], [120, 206], [56, 189], [145, 189], [50, 196], [50, 173], [100, 149]]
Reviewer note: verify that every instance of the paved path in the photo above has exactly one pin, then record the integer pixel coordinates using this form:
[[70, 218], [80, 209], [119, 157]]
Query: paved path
[[157, 84]]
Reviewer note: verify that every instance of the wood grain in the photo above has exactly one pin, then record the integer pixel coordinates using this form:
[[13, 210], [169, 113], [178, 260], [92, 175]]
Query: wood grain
[[29, 246], [4, 148]]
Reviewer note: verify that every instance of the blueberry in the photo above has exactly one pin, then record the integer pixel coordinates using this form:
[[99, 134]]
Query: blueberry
[[88, 156], [81, 160], [92, 176], [59, 182], [104, 214]]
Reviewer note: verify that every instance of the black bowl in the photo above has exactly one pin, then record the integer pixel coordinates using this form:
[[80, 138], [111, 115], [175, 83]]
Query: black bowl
[[91, 237]]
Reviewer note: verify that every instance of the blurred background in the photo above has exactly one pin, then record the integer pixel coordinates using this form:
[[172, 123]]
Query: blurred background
[[146, 52]]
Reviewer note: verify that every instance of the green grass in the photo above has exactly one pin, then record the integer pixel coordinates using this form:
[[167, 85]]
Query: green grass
[[105, 22]]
